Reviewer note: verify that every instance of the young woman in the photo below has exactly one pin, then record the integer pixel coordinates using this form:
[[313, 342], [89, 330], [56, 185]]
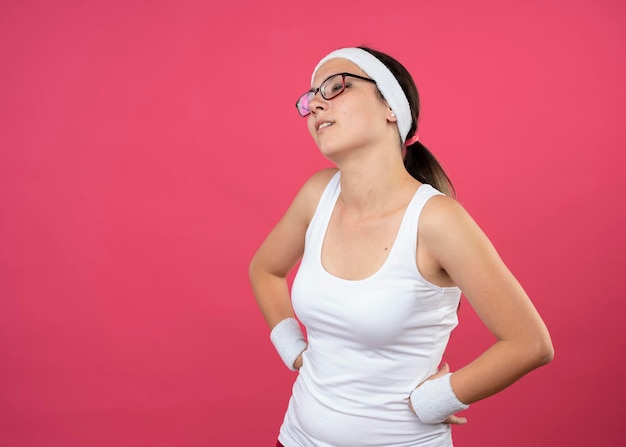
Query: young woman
[[384, 258]]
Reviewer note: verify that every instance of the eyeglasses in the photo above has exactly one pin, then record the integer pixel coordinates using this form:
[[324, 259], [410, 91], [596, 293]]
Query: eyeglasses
[[330, 88]]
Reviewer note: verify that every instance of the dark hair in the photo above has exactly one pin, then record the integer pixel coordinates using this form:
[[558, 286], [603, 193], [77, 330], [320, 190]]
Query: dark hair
[[418, 160]]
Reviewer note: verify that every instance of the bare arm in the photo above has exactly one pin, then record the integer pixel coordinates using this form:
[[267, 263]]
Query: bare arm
[[282, 249], [463, 252]]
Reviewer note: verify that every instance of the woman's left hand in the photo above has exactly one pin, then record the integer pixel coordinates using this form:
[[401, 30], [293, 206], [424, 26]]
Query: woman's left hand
[[452, 419]]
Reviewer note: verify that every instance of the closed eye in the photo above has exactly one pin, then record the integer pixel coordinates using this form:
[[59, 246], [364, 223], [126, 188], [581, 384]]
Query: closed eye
[[337, 87]]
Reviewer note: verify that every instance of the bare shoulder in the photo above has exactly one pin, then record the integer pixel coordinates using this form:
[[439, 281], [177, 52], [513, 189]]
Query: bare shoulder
[[448, 231], [317, 182], [309, 195], [442, 213], [282, 248]]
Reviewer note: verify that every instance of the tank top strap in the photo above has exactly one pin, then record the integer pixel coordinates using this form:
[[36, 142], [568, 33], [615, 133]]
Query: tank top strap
[[405, 245], [407, 234], [324, 210]]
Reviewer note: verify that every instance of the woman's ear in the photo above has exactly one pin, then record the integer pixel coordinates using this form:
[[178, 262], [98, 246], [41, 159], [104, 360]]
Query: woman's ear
[[391, 117]]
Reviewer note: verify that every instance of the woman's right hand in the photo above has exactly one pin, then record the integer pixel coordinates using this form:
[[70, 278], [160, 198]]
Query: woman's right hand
[[298, 363]]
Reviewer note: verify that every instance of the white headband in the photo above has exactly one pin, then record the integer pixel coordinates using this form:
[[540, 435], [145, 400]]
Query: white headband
[[385, 81]]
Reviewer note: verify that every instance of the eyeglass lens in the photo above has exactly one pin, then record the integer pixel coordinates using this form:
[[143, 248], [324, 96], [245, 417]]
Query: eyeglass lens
[[330, 88]]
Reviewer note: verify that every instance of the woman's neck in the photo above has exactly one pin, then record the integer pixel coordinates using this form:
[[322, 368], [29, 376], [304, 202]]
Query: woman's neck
[[375, 184]]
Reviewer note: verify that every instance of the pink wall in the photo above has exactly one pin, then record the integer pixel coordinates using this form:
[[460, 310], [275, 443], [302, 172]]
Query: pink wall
[[146, 148]]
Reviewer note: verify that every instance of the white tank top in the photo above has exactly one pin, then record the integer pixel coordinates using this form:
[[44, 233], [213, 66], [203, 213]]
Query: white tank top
[[371, 341]]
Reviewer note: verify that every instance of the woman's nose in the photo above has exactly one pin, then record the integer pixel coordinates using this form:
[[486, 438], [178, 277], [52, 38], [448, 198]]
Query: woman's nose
[[317, 103]]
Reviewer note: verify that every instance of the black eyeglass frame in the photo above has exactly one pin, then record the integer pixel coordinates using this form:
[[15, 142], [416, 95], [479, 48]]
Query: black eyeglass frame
[[319, 89]]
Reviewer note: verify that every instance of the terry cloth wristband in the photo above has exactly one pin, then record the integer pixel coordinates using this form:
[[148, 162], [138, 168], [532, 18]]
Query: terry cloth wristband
[[288, 340], [434, 400]]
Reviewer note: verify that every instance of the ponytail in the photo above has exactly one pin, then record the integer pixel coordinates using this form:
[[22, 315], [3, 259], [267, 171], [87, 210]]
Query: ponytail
[[418, 160], [425, 168]]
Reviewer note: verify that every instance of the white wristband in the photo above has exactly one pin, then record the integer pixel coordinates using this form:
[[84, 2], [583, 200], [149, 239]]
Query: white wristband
[[434, 400], [288, 340]]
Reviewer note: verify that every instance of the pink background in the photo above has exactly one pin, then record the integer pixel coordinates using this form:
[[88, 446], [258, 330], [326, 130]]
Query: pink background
[[147, 147]]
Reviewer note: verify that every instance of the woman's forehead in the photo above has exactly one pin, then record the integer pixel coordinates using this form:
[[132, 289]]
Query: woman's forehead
[[334, 66]]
